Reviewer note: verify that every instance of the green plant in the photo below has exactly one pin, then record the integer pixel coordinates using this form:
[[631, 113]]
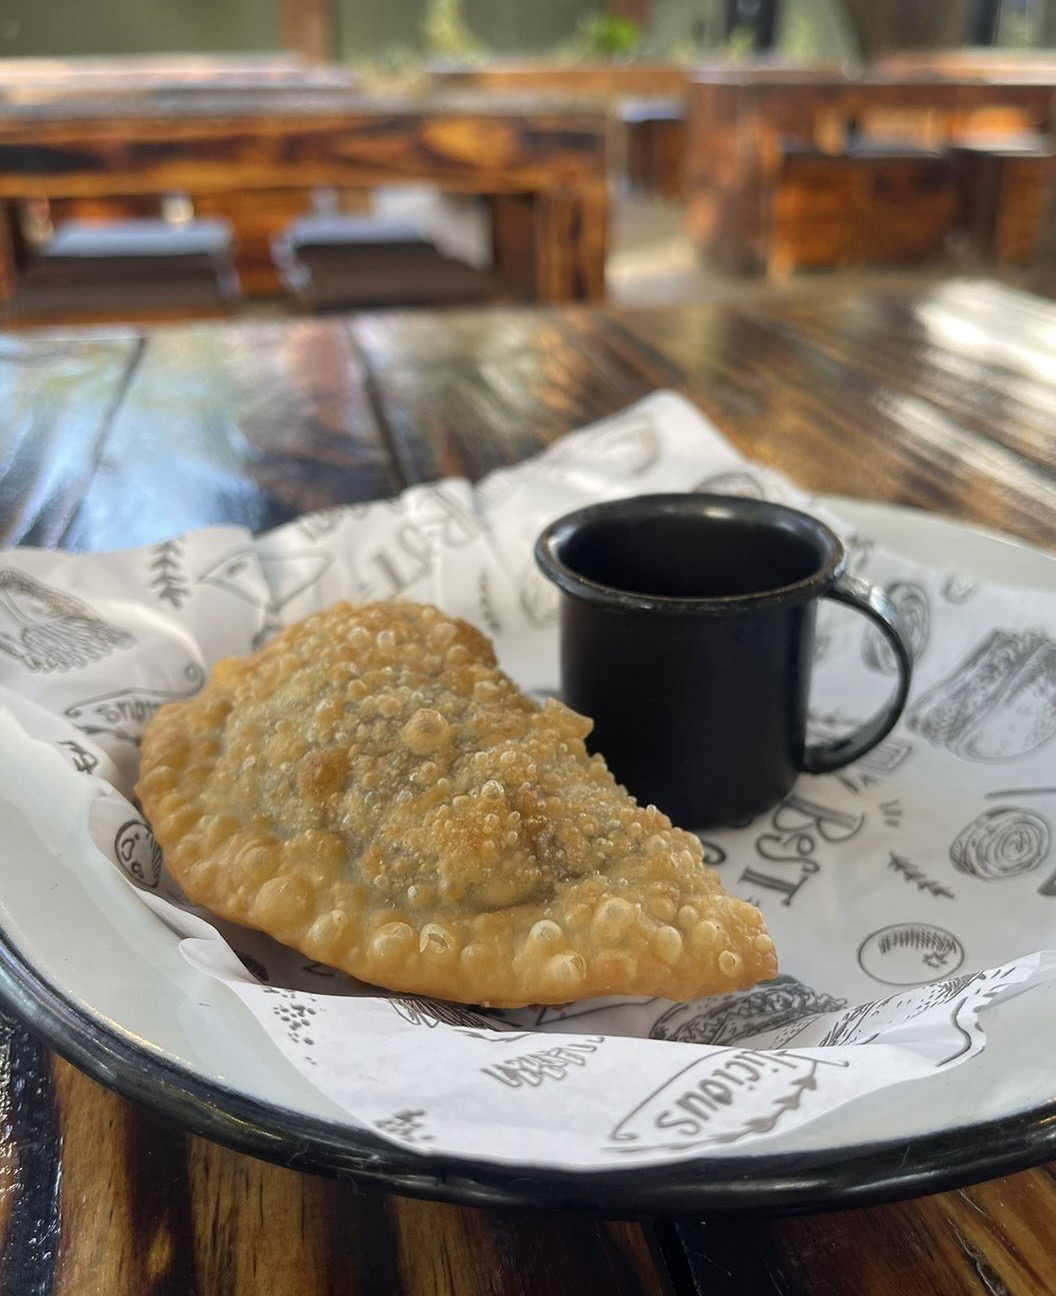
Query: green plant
[[606, 36]]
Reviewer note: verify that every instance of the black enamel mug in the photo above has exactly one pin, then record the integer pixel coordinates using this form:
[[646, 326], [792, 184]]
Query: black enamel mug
[[687, 636]]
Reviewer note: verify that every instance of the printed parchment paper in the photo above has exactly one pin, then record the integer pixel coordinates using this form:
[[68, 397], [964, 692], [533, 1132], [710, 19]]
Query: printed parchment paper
[[910, 895]]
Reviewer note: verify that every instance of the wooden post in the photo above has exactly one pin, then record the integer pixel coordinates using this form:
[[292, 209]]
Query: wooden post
[[306, 27], [636, 10]]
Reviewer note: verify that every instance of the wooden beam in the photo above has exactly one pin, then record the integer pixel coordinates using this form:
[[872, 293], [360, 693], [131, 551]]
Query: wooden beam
[[306, 27]]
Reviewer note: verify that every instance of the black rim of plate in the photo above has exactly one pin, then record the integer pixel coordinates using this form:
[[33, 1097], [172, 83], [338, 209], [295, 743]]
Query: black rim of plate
[[770, 1184]]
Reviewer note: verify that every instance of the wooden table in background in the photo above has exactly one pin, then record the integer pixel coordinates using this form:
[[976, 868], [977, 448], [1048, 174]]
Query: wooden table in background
[[945, 399], [647, 100], [743, 125], [542, 168]]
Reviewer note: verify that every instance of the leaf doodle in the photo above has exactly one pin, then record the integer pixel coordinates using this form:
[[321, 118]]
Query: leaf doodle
[[487, 607], [168, 580], [767, 1121], [907, 869]]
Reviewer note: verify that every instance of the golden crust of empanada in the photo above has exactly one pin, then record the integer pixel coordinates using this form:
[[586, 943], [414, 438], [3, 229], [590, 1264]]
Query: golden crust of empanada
[[370, 789]]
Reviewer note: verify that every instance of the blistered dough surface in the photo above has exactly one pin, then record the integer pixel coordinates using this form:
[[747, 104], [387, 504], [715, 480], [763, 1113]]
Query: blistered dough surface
[[370, 789]]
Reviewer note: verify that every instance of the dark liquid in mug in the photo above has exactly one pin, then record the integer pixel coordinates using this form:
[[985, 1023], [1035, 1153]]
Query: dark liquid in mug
[[685, 557]]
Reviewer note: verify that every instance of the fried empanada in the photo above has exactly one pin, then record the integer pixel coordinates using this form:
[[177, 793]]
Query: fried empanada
[[370, 789]]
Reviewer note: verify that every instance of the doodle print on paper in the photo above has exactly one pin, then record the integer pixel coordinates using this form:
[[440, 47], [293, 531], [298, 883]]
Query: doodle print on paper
[[627, 445], [1000, 702], [531, 1069], [285, 577], [1001, 843], [909, 954], [124, 712], [436, 1012], [538, 597], [864, 1022], [488, 616], [911, 603], [295, 1013], [82, 760], [534, 1018], [167, 577], [911, 872], [1048, 887], [323, 522], [726, 1019], [138, 853], [46, 629], [959, 588], [727, 1096], [407, 1125]]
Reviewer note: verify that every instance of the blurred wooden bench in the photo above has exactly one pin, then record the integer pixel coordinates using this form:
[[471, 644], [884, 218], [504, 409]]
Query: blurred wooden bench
[[330, 263], [543, 170], [757, 148], [142, 270], [647, 99], [874, 206], [1006, 186]]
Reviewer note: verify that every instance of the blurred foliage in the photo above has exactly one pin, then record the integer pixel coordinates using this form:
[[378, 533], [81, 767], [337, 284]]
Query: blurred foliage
[[447, 33], [740, 44], [604, 36]]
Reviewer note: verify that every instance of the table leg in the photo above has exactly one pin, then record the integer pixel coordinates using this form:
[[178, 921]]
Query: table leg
[[551, 247]]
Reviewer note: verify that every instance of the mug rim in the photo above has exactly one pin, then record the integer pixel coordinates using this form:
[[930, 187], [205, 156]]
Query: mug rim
[[690, 503]]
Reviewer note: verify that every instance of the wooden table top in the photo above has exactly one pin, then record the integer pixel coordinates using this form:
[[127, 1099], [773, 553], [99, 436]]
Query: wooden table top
[[945, 398], [26, 80]]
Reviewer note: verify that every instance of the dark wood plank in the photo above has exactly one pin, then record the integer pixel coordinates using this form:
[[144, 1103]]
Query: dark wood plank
[[846, 426], [846, 398], [30, 1163], [489, 388], [978, 1241], [267, 139], [253, 425], [58, 397], [171, 1214], [445, 1251]]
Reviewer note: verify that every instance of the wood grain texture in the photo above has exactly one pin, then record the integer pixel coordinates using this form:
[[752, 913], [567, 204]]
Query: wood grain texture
[[254, 425], [549, 79], [741, 125], [554, 160], [944, 397], [264, 140], [978, 1241], [58, 398]]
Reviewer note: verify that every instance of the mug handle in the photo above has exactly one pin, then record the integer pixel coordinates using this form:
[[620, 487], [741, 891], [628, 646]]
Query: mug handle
[[863, 597]]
